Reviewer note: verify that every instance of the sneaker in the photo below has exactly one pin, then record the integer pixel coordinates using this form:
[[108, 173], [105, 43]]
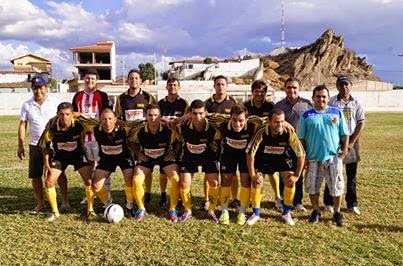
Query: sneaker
[[338, 219], [129, 213], [206, 205], [213, 217], [53, 216], [355, 210], [241, 218], [287, 219], [300, 208], [329, 208], [235, 204], [278, 204], [224, 218], [186, 216], [147, 198], [252, 219], [139, 215], [173, 216], [315, 216]]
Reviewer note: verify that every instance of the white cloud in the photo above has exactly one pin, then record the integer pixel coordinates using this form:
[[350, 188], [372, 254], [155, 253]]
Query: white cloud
[[136, 33], [155, 5], [9, 51]]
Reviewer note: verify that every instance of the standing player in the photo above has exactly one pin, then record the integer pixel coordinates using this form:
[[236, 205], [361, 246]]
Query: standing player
[[90, 102], [131, 105], [155, 144], [294, 106], [322, 131], [221, 103], [355, 119], [172, 106], [272, 149], [199, 141], [67, 139], [36, 112]]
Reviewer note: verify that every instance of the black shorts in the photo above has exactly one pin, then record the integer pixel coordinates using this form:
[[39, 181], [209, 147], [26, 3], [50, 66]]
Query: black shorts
[[208, 166], [276, 166], [229, 165], [77, 161], [153, 162], [111, 164], [35, 169]]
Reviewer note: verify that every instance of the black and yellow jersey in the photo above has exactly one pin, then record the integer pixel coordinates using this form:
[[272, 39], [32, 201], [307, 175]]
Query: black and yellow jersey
[[223, 107], [130, 108], [174, 109], [262, 111]]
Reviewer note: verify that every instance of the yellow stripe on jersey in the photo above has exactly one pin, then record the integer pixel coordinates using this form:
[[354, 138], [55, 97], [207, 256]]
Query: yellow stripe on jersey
[[296, 145]]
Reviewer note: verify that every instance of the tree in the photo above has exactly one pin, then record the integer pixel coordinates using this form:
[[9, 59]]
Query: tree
[[208, 60], [147, 71]]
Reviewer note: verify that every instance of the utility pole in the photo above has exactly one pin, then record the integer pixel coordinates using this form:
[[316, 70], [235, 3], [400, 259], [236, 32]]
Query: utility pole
[[123, 70], [401, 69], [282, 27], [155, 69]]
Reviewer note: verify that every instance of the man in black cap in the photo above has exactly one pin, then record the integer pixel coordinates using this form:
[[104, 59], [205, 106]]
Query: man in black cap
[[355, 120]]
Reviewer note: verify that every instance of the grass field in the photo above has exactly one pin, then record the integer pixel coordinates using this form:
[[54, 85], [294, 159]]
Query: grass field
[[374, 238]]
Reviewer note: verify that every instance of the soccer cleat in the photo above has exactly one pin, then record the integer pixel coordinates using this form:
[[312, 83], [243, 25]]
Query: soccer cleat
[[91, 216], [53, 216], [287, 219], [36, 210], [140, 215], [173, 216], [241, 219], [355, 210], [329, 208], [129, 213], [206, 205], [213, 217], [338, 219], [186, 216], [235, 204], [315, 217], [84, 201], [278, 205], [147, 198], [300, 208], [224, 218], [252, 219]]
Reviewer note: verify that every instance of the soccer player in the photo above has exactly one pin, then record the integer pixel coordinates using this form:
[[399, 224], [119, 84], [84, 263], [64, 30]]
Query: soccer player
[[36, 112], [113, 152], [199, 141], [272, 149], [324, 134], [67, 139], [261, 107], [155, 144], [131, 105], [355, 119], [90, 102], [294, 106], [221, 103], [172, 106]]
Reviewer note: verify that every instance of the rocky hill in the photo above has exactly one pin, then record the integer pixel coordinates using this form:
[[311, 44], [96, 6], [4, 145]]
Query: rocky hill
[[320, 62]]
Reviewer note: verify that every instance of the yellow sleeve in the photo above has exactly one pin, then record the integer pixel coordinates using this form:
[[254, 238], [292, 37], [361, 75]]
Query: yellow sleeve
[[118, 108], [45, 139], [254, 143], [296, 145], [88, 123]]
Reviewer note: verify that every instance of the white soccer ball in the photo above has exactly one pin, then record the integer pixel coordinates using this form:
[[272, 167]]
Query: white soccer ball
[[114, 213]]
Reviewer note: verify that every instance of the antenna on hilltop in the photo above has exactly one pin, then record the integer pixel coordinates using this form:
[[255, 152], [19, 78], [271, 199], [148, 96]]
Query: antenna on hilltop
[[282, 27]]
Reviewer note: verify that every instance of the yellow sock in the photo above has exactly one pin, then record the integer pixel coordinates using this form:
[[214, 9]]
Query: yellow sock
[[138, 181], [186, 198], [275, 184], [245, 197], [224, 196], [102, 194], [206, 189], [51, 193], [289, 194], [234, 187], [129, 194], [148, 182], [213, 198], [256, 196], [90, 198], [174, 193]]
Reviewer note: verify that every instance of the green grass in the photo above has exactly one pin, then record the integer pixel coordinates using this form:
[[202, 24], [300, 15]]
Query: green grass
[[374, 238]]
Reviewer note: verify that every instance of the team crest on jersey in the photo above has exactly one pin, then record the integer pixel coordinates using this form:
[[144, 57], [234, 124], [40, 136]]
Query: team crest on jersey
[[67, 146], [162, 144], [118, 141], [203, 140], [112, 150], [76, 137], [227, 110], [334, 120], [273, 150], [196, 149], [154, 153], [140, 105], [238, 144], [245, 136]]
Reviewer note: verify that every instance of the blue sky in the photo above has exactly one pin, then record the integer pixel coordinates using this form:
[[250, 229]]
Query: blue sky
[[176, 29]]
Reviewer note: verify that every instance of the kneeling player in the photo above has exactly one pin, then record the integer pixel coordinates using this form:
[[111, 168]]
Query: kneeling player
[[67, 139], [274, 150], [155, 144]]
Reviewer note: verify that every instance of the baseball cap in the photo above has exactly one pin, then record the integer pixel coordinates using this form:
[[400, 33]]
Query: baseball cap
[[343, 78], [38, 81]]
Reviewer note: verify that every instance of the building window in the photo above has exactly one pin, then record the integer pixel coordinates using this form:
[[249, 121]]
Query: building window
[[189, 66]]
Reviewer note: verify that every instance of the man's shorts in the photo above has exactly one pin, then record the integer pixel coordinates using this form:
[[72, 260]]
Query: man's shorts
[[111, 164], [92, 150], [229, 165], [332, 170], [77, 161], [208, 166], [35, 169], [271, 167], [153, 162]]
